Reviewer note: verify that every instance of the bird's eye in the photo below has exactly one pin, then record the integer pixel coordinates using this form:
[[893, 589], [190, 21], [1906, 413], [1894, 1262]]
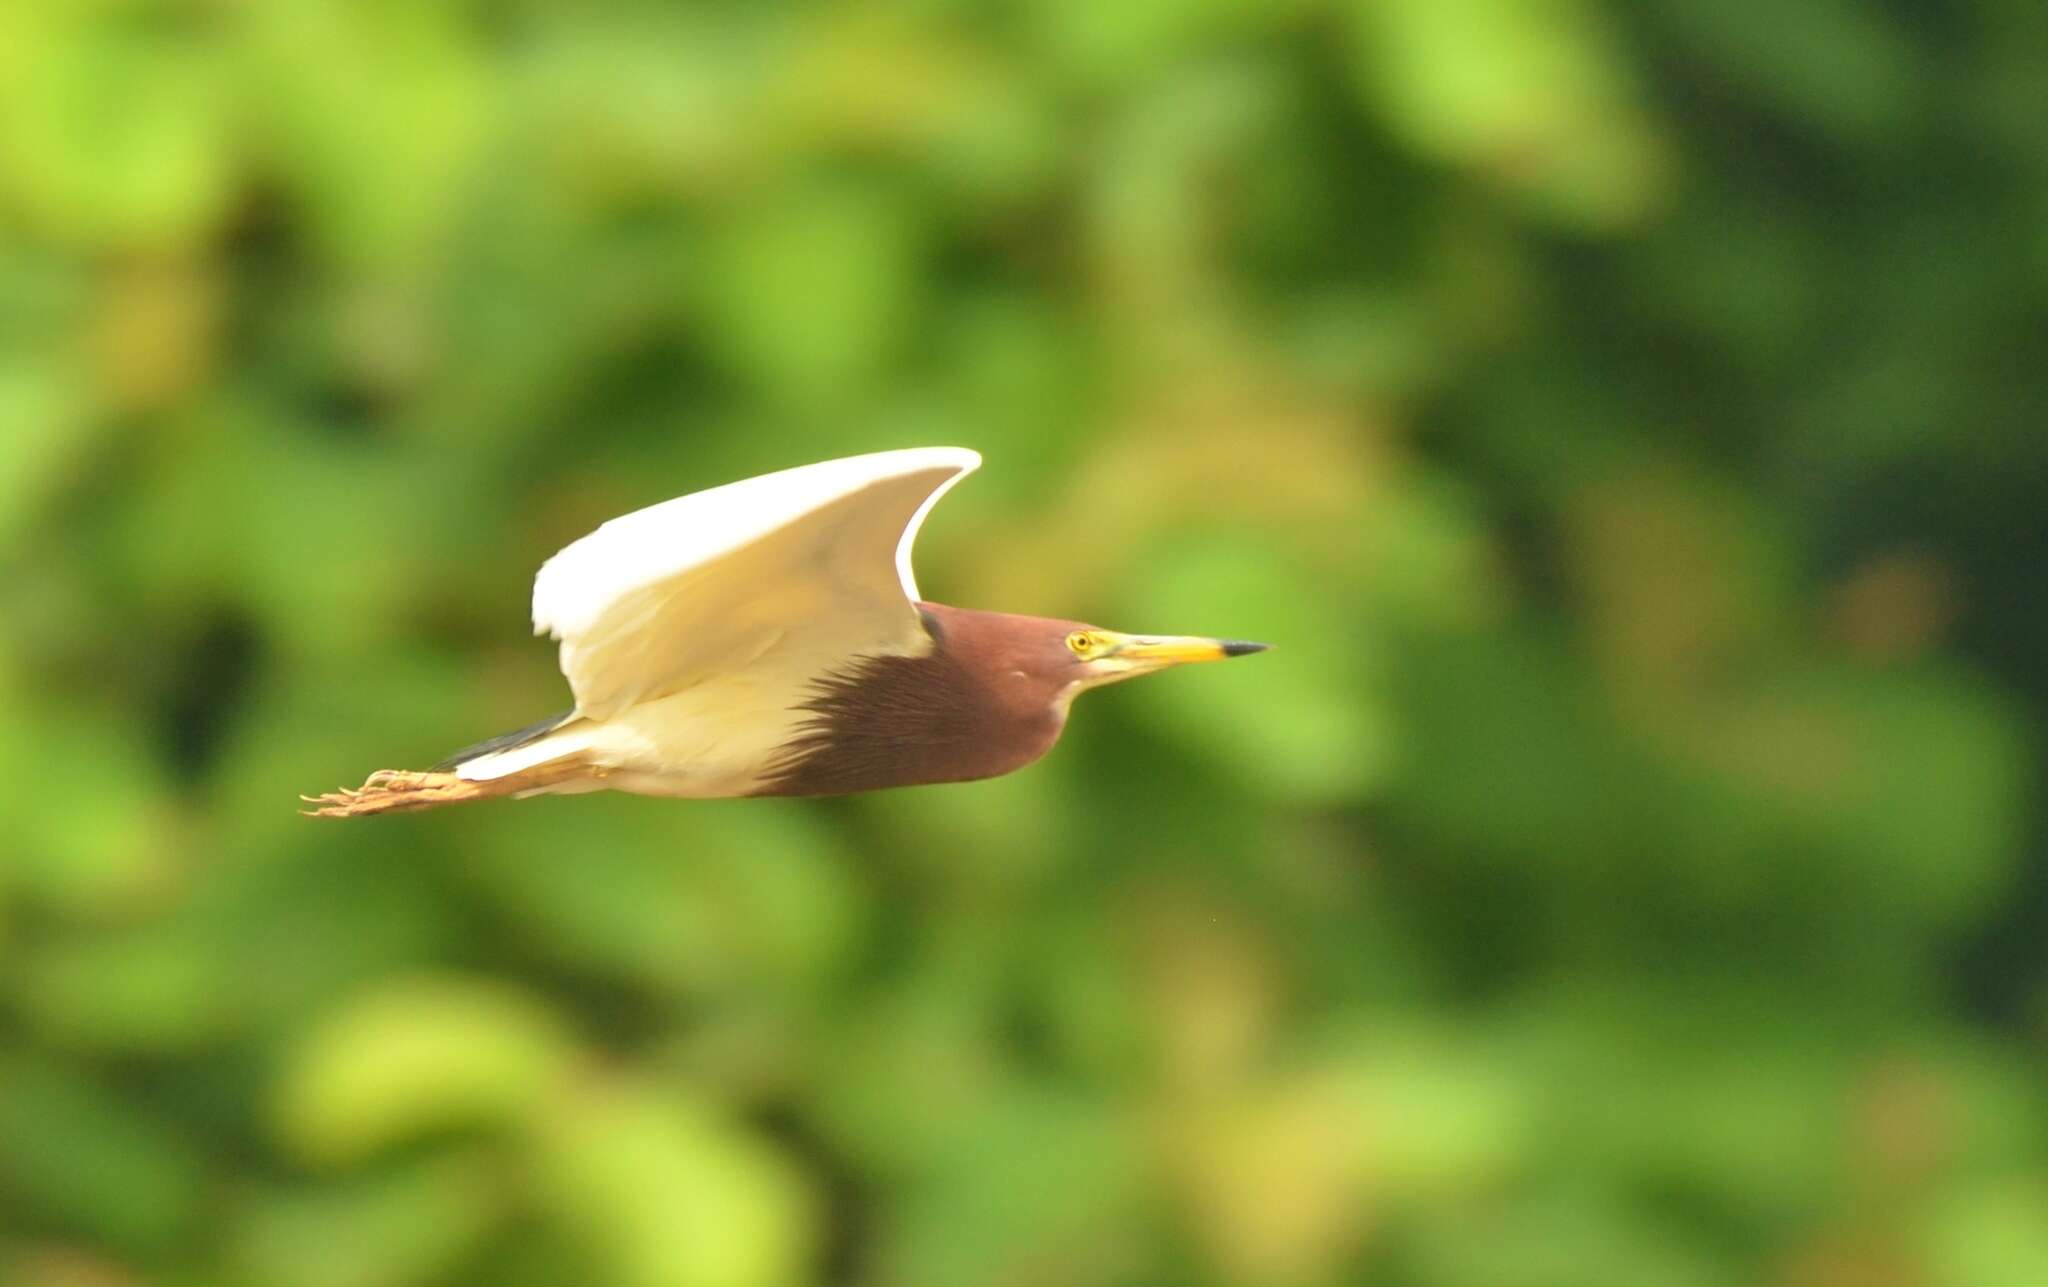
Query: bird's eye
[[1081, 642]]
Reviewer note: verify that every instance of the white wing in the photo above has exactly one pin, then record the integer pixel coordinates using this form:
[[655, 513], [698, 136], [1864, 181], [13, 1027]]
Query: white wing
[[812, 564]]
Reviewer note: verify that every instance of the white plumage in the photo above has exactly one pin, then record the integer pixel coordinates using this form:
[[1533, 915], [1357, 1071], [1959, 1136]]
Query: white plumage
[[691, 631]]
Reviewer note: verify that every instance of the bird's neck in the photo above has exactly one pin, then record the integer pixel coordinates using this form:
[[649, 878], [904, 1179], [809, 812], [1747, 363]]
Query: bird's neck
[[889, 721]]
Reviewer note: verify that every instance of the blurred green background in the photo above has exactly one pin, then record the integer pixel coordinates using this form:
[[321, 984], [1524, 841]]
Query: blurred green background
[[1626, 419]]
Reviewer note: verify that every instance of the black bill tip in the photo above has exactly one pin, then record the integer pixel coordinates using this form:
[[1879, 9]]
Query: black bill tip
[[1240, 647]]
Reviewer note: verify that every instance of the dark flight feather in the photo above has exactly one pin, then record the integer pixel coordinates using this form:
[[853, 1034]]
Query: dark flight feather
[[506, 741]]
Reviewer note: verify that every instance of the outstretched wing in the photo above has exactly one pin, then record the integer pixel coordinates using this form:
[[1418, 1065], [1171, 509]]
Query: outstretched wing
[[796, 571]]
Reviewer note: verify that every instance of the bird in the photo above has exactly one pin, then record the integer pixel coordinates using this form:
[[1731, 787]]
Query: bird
[[767, 638]]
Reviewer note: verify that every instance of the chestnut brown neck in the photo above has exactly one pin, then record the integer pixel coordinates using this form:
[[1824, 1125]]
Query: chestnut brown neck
[[985, 701]]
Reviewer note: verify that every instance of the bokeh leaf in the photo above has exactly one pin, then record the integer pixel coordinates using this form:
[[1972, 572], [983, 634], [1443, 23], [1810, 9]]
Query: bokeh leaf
[[410, 1224], [670, 1194], [78, 1155], [418, 1056]]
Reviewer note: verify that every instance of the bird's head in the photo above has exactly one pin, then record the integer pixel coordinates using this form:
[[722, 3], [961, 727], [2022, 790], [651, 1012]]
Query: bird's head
[[1041, 659]]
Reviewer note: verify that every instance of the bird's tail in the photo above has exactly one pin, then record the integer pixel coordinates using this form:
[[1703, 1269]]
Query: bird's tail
[[404, 791]]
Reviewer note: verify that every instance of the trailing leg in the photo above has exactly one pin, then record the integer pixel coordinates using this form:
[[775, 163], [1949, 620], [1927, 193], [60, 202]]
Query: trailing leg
[[405, 791]]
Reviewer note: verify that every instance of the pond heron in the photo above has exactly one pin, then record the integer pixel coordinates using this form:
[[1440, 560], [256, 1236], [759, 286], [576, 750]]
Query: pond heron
[[767, 638]]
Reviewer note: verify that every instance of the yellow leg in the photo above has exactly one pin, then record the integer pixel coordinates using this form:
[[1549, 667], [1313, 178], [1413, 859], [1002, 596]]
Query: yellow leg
[[399, 791], [407, 791]]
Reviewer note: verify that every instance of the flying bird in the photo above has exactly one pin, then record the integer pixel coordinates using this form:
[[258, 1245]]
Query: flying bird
[[766, 638]]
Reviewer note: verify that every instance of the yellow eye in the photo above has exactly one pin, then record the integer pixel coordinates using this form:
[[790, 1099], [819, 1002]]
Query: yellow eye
[[1081, 642]]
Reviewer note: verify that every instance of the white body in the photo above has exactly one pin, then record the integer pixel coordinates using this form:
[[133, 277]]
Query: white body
[[708, 741], [693, 631]]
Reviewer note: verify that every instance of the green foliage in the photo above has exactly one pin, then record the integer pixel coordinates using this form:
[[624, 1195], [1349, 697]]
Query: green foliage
[[1625, 421]]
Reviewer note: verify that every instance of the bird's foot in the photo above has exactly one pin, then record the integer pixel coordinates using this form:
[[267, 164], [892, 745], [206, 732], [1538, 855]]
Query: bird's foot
[[394, 791]]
